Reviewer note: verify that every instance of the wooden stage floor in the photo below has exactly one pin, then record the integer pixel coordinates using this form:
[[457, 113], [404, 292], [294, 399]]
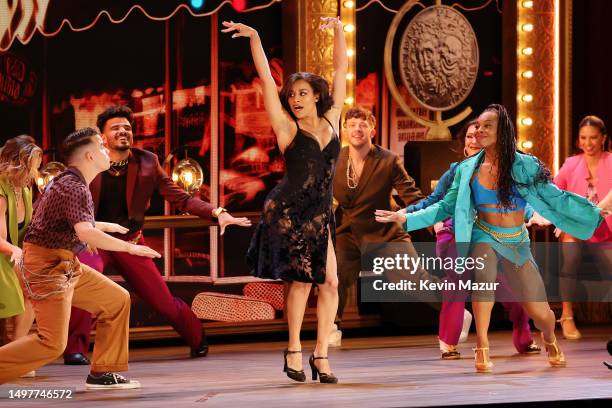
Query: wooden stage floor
[[374, 372]]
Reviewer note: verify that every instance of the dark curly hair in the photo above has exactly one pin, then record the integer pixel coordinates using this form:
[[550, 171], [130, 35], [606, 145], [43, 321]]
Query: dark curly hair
[[360, 112], [116, 111], [319, 87], [506, 153]]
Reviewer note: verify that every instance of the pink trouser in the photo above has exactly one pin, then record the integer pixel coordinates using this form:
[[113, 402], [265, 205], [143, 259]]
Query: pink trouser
[[453, 305]]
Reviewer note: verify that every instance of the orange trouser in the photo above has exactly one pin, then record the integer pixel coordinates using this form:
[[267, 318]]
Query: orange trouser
[[55, 280]]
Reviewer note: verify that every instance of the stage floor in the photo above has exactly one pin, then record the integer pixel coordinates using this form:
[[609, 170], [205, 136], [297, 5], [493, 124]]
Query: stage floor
[[373, 372]]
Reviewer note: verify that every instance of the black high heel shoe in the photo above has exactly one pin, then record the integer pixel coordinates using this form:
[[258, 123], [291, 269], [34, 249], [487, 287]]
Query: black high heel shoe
[[324, 378], [291, 373]]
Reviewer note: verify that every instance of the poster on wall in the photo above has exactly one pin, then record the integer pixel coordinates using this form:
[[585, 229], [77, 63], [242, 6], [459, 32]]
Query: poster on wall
[[17, 80], [403, 128]]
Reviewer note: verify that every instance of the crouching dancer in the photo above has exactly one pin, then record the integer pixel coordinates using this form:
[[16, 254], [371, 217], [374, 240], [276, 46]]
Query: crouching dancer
[[54, 280]]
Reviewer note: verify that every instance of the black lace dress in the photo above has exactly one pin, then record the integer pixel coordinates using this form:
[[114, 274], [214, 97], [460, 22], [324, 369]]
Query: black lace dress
[[290, 241]]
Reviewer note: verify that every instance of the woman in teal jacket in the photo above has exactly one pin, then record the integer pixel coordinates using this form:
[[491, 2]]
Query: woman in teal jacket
[[487, 201]]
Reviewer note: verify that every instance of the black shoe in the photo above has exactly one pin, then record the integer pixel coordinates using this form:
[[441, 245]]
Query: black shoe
[[451, 355], [110, 381], [325, 378], [533, 348], [76, 359], [292, 373], [201, 350]]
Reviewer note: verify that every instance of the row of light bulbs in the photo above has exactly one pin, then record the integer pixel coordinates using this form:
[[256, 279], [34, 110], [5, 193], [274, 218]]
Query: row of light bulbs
[[348, 6], [526, 74]]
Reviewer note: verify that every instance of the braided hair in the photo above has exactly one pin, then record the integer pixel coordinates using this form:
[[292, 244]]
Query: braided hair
[[506, 151]]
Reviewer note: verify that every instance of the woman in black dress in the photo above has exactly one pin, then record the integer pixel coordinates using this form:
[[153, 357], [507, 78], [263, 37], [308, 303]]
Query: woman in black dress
[[294, 238]]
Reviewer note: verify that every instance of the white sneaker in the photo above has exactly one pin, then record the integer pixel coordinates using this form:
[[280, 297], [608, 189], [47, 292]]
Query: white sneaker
[[29, 374], [467, 322], [335, 337]]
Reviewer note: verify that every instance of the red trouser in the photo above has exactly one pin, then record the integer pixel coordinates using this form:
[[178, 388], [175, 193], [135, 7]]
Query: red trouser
[[146, 282]]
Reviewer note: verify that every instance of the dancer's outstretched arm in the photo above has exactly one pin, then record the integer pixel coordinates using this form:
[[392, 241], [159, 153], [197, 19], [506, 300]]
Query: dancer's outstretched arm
[[279, 119]]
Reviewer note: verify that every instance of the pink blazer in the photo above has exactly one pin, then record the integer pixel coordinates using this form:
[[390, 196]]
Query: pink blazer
[[573, 177]]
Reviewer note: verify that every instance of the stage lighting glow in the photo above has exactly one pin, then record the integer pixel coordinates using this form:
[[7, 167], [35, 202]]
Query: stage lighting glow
[[196, 4], [47, 173], [239, 5], [188, 175]]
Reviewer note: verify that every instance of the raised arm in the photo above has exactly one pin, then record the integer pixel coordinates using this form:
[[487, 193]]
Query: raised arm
[[279, 119], [340, 61]]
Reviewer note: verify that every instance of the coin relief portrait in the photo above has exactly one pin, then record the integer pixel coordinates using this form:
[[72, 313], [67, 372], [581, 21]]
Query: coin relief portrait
[[438, 57]]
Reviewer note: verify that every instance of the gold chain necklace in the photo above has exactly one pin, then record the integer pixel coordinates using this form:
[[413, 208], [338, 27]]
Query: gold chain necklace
[[118, 168], [352, 176]]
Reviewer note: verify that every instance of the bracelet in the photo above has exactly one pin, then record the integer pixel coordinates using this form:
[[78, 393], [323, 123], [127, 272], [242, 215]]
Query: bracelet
[[217, 211]]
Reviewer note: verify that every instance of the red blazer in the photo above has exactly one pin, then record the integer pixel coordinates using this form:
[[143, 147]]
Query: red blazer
[[145, 175]]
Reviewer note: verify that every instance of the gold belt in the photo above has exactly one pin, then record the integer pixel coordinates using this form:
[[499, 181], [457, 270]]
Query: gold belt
[[500, 235]]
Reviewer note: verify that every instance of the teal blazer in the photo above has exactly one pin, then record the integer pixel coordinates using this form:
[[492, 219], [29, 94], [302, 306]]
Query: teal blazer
[[570, 212]]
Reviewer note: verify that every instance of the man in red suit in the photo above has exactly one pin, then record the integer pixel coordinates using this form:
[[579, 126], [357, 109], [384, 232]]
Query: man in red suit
[[122, 195]]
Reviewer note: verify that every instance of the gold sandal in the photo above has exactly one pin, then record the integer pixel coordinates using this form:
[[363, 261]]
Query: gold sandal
[[484, 366], [556, 358], [574, 335]]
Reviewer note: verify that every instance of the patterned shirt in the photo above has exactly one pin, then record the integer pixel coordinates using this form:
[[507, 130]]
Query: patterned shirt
[[66, 201]]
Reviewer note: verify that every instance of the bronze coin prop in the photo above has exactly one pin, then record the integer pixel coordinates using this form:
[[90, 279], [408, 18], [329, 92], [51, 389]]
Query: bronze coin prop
[[438, 58]]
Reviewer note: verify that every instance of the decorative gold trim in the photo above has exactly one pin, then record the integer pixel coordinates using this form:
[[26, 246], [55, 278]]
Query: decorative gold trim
[[319, 44], [542, 108], [566, 137]]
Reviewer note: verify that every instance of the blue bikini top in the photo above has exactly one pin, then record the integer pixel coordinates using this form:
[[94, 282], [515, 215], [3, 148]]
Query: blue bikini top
[[483, 196]]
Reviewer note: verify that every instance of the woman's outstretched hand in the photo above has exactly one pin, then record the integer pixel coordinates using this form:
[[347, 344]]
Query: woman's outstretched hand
[[389, 216], [330, 22], [239, 29]]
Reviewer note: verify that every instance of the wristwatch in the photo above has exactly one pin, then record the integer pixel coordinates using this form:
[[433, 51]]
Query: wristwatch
[[217, 211]]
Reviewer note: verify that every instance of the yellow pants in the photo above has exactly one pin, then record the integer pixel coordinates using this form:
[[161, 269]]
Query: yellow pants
[[46, 272]]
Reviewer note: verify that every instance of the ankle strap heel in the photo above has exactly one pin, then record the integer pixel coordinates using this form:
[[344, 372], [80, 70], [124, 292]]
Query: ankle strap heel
[[324, 378], [296, 375], [484, 366], [556, 358]]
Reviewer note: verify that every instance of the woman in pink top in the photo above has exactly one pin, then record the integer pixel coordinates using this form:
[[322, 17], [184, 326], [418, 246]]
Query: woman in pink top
[[590, 175]]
